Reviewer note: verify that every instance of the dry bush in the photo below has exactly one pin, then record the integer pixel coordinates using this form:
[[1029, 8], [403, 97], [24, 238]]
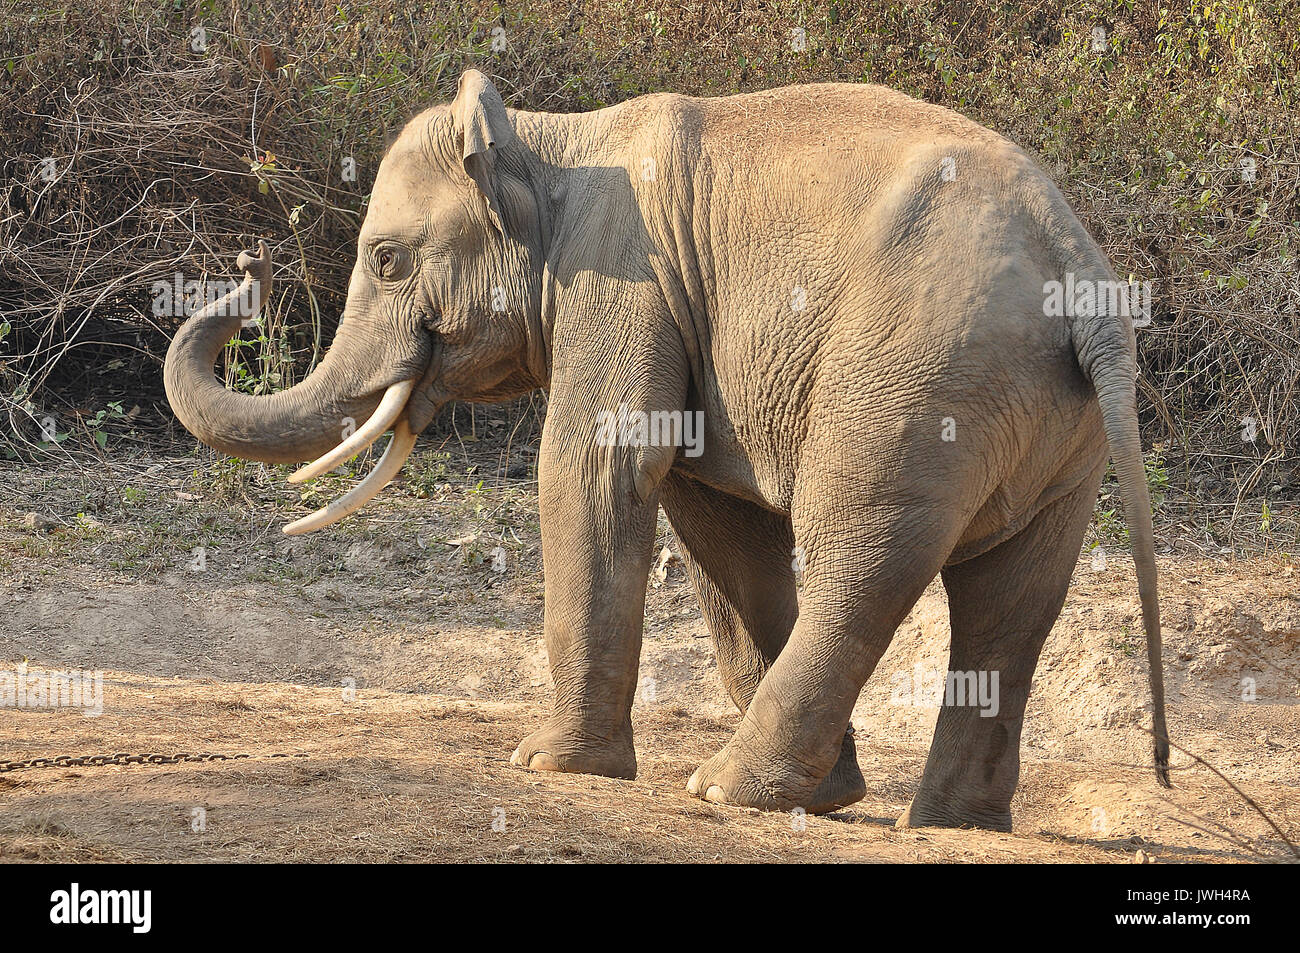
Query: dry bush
[[166, 160]]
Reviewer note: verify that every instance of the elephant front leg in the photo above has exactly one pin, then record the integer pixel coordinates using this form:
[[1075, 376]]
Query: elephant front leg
[[598, 516]]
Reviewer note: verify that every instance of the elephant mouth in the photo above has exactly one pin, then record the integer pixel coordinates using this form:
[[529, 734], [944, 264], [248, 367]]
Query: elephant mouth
[[391, 413]]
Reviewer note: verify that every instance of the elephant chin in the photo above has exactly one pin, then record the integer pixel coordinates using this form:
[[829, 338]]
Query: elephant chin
[[422, 407], [420, 412]]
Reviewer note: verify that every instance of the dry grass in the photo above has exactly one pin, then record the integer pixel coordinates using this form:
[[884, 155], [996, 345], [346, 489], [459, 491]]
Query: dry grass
[[400, 778]]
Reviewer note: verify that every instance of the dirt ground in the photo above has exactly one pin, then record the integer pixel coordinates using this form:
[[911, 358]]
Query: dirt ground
[[394, 661]]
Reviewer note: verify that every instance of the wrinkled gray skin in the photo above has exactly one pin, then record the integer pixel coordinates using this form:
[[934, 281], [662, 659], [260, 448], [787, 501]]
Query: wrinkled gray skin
[[795, 265]]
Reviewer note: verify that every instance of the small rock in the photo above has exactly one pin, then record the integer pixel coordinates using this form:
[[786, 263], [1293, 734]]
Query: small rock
[[37, 522], [1141, 857]]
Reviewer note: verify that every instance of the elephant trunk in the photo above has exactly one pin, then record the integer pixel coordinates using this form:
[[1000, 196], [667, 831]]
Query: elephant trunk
[[297, 424], [316, 418]]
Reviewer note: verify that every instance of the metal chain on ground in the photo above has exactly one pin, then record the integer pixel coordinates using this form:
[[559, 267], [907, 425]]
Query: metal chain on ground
[[103, 760]]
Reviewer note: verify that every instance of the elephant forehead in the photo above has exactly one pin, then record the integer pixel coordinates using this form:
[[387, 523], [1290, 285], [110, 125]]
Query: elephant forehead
[[411, 194], [403, 190]]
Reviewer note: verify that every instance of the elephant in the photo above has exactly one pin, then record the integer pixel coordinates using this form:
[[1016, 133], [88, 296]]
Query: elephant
[[850, 290]]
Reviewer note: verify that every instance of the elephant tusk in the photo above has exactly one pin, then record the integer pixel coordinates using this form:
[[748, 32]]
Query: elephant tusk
[[399, 448], [388, 410]]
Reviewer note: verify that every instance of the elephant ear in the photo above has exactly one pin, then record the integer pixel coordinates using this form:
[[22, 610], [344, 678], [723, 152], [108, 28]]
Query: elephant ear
[[481, 120]]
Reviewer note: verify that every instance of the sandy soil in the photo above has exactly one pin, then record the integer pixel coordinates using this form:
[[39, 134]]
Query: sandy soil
[[399, 667]]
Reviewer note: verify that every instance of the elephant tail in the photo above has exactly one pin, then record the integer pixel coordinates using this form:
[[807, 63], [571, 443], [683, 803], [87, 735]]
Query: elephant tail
[[1106, 348]]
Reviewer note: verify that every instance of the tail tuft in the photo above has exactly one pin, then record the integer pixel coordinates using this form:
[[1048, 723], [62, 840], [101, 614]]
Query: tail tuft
[[1162, 764]]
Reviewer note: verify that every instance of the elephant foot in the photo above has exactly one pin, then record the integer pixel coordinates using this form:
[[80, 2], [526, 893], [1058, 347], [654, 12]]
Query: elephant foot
[[934, 815], [729, 777], [843, 786], [562, 747], [725, 779]]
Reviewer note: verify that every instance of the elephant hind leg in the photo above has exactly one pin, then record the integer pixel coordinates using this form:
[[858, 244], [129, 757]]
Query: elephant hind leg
[[1002, 606], [868, 560], [740, 560], [738, 556]]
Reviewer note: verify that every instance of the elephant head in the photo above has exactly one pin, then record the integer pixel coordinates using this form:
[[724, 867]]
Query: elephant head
[[444, 303]]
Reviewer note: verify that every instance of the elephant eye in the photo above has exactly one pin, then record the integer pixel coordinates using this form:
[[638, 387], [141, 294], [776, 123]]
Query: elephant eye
[[392, 262]]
